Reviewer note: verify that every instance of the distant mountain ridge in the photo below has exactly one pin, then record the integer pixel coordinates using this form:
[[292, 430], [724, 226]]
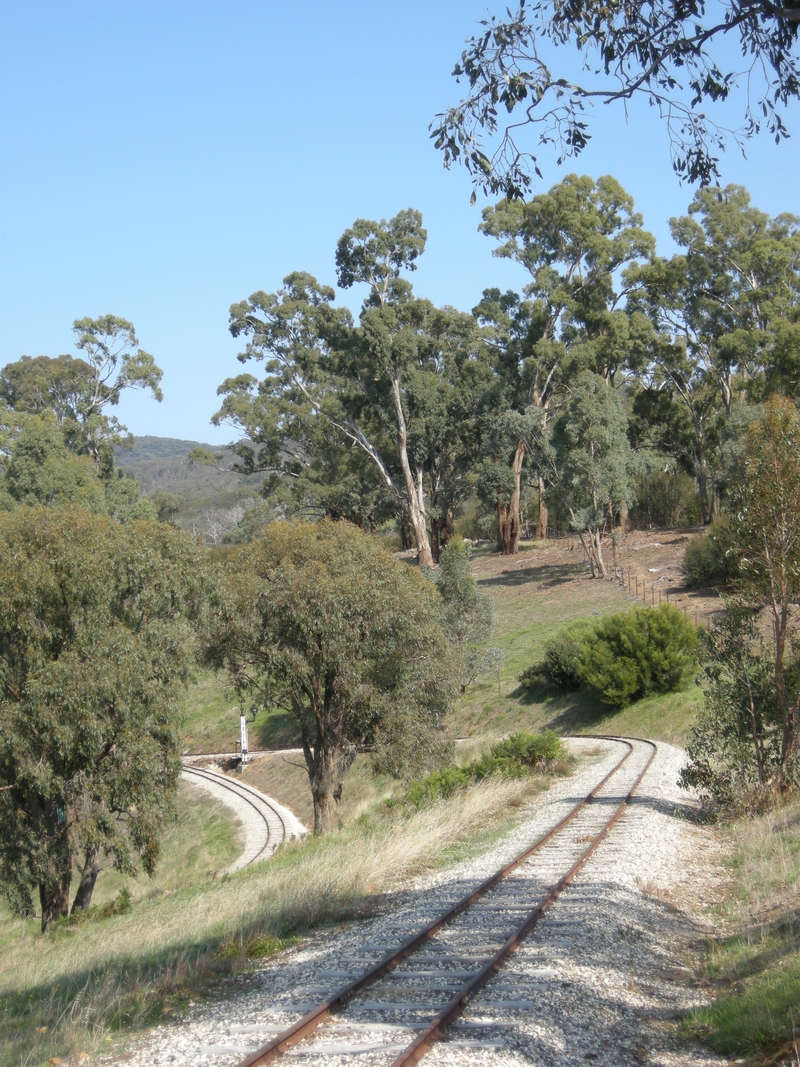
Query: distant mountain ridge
[[161, 464], [149, 447]]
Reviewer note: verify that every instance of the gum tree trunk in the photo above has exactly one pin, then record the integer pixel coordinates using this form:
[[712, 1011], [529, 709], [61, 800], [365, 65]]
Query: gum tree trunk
[[508, 515], [415, 495], [541, 522], [91, 869], [327, 768]]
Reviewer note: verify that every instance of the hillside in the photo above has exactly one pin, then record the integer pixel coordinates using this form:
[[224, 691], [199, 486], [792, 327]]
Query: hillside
[[209, 495], [534, 594]]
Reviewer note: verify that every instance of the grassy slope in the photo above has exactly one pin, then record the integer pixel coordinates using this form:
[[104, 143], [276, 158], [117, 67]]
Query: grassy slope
[[757, 967], [212, 721], [534, 595], [42, 981], [86, 984]]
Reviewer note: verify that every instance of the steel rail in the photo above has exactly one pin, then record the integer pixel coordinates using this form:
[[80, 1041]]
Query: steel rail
[[240, 790], [311, 1020], [435, 1029]]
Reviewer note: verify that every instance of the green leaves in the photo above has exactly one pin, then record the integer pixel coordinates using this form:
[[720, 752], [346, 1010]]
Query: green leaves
[[76, 391], [661, 51], [638, 653], [95, 645], [467, 612], [376, 252], [318, 619]]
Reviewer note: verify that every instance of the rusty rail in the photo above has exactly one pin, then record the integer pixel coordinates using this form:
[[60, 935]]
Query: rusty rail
[[295, 1033]]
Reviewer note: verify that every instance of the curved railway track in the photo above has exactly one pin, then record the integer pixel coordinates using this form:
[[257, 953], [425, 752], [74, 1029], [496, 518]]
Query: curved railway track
[[465, 946], [268, 817]]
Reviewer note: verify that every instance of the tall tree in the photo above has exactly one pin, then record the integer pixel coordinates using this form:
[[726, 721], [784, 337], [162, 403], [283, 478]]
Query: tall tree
[[727, 310], [593, 463], [78, 390], [320, 621], [387, 345], [399, 388], [573, 241], [95, 647], [766, 503], [673, 55]]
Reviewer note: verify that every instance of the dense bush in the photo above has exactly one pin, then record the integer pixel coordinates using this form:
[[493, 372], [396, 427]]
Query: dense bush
[[560, 667], [734, 747], [638, 653], [712, 558], [666, 498], [518, 755]]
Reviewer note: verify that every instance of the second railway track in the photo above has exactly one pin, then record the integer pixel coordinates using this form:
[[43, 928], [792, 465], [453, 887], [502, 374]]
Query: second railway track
[[270, 823], [393, 1001]]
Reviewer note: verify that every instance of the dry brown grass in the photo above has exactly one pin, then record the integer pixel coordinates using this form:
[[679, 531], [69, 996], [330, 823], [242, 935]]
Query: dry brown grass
[[121, 973]]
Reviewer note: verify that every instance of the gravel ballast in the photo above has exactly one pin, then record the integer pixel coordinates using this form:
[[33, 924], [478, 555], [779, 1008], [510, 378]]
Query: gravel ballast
[[601, 979]]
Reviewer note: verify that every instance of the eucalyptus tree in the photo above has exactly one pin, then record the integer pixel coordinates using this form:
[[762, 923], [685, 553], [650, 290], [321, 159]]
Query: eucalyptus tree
[[574, 242], [395, 388], [319, 620], [96, 644], [78, 391], [42, 471], [727, 311], [443, 396], [766, 503], [386, 349], [592, 462], [673, 55]]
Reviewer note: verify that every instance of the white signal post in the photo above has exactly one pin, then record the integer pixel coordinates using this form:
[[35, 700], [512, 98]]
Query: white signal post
[[243, 729]]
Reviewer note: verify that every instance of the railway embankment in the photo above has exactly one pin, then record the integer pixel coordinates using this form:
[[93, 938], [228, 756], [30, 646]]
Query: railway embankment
[[603, 976]]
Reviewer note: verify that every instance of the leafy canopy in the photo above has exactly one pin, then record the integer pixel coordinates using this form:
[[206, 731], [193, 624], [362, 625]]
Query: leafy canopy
[[671, 54], [95, 646], [320, 621]]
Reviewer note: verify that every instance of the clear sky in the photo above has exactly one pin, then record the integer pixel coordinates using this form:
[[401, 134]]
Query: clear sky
[[163, 159]]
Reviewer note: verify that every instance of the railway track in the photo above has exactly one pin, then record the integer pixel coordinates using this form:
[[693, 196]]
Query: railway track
[[404, 998], [267, 823]]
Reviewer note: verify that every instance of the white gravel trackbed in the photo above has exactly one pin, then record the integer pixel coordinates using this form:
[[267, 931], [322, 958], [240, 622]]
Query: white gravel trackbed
[[600, 980]]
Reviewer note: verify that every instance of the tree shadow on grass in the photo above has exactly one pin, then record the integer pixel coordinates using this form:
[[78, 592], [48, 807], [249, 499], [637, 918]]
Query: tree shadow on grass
[[538, 574], [277, 729]]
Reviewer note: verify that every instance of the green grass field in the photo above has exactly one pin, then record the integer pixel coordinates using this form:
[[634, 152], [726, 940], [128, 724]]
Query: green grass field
[[533, 600], [756, 969]]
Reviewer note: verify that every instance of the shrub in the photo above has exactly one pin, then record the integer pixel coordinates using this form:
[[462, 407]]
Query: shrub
[[518, 755], [638, 653], [734, 747], [560, 667], [666, 499], [711, 559], [530, 750]]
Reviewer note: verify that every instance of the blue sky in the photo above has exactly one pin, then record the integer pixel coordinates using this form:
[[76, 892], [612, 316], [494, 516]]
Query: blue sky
[[161, 160]]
